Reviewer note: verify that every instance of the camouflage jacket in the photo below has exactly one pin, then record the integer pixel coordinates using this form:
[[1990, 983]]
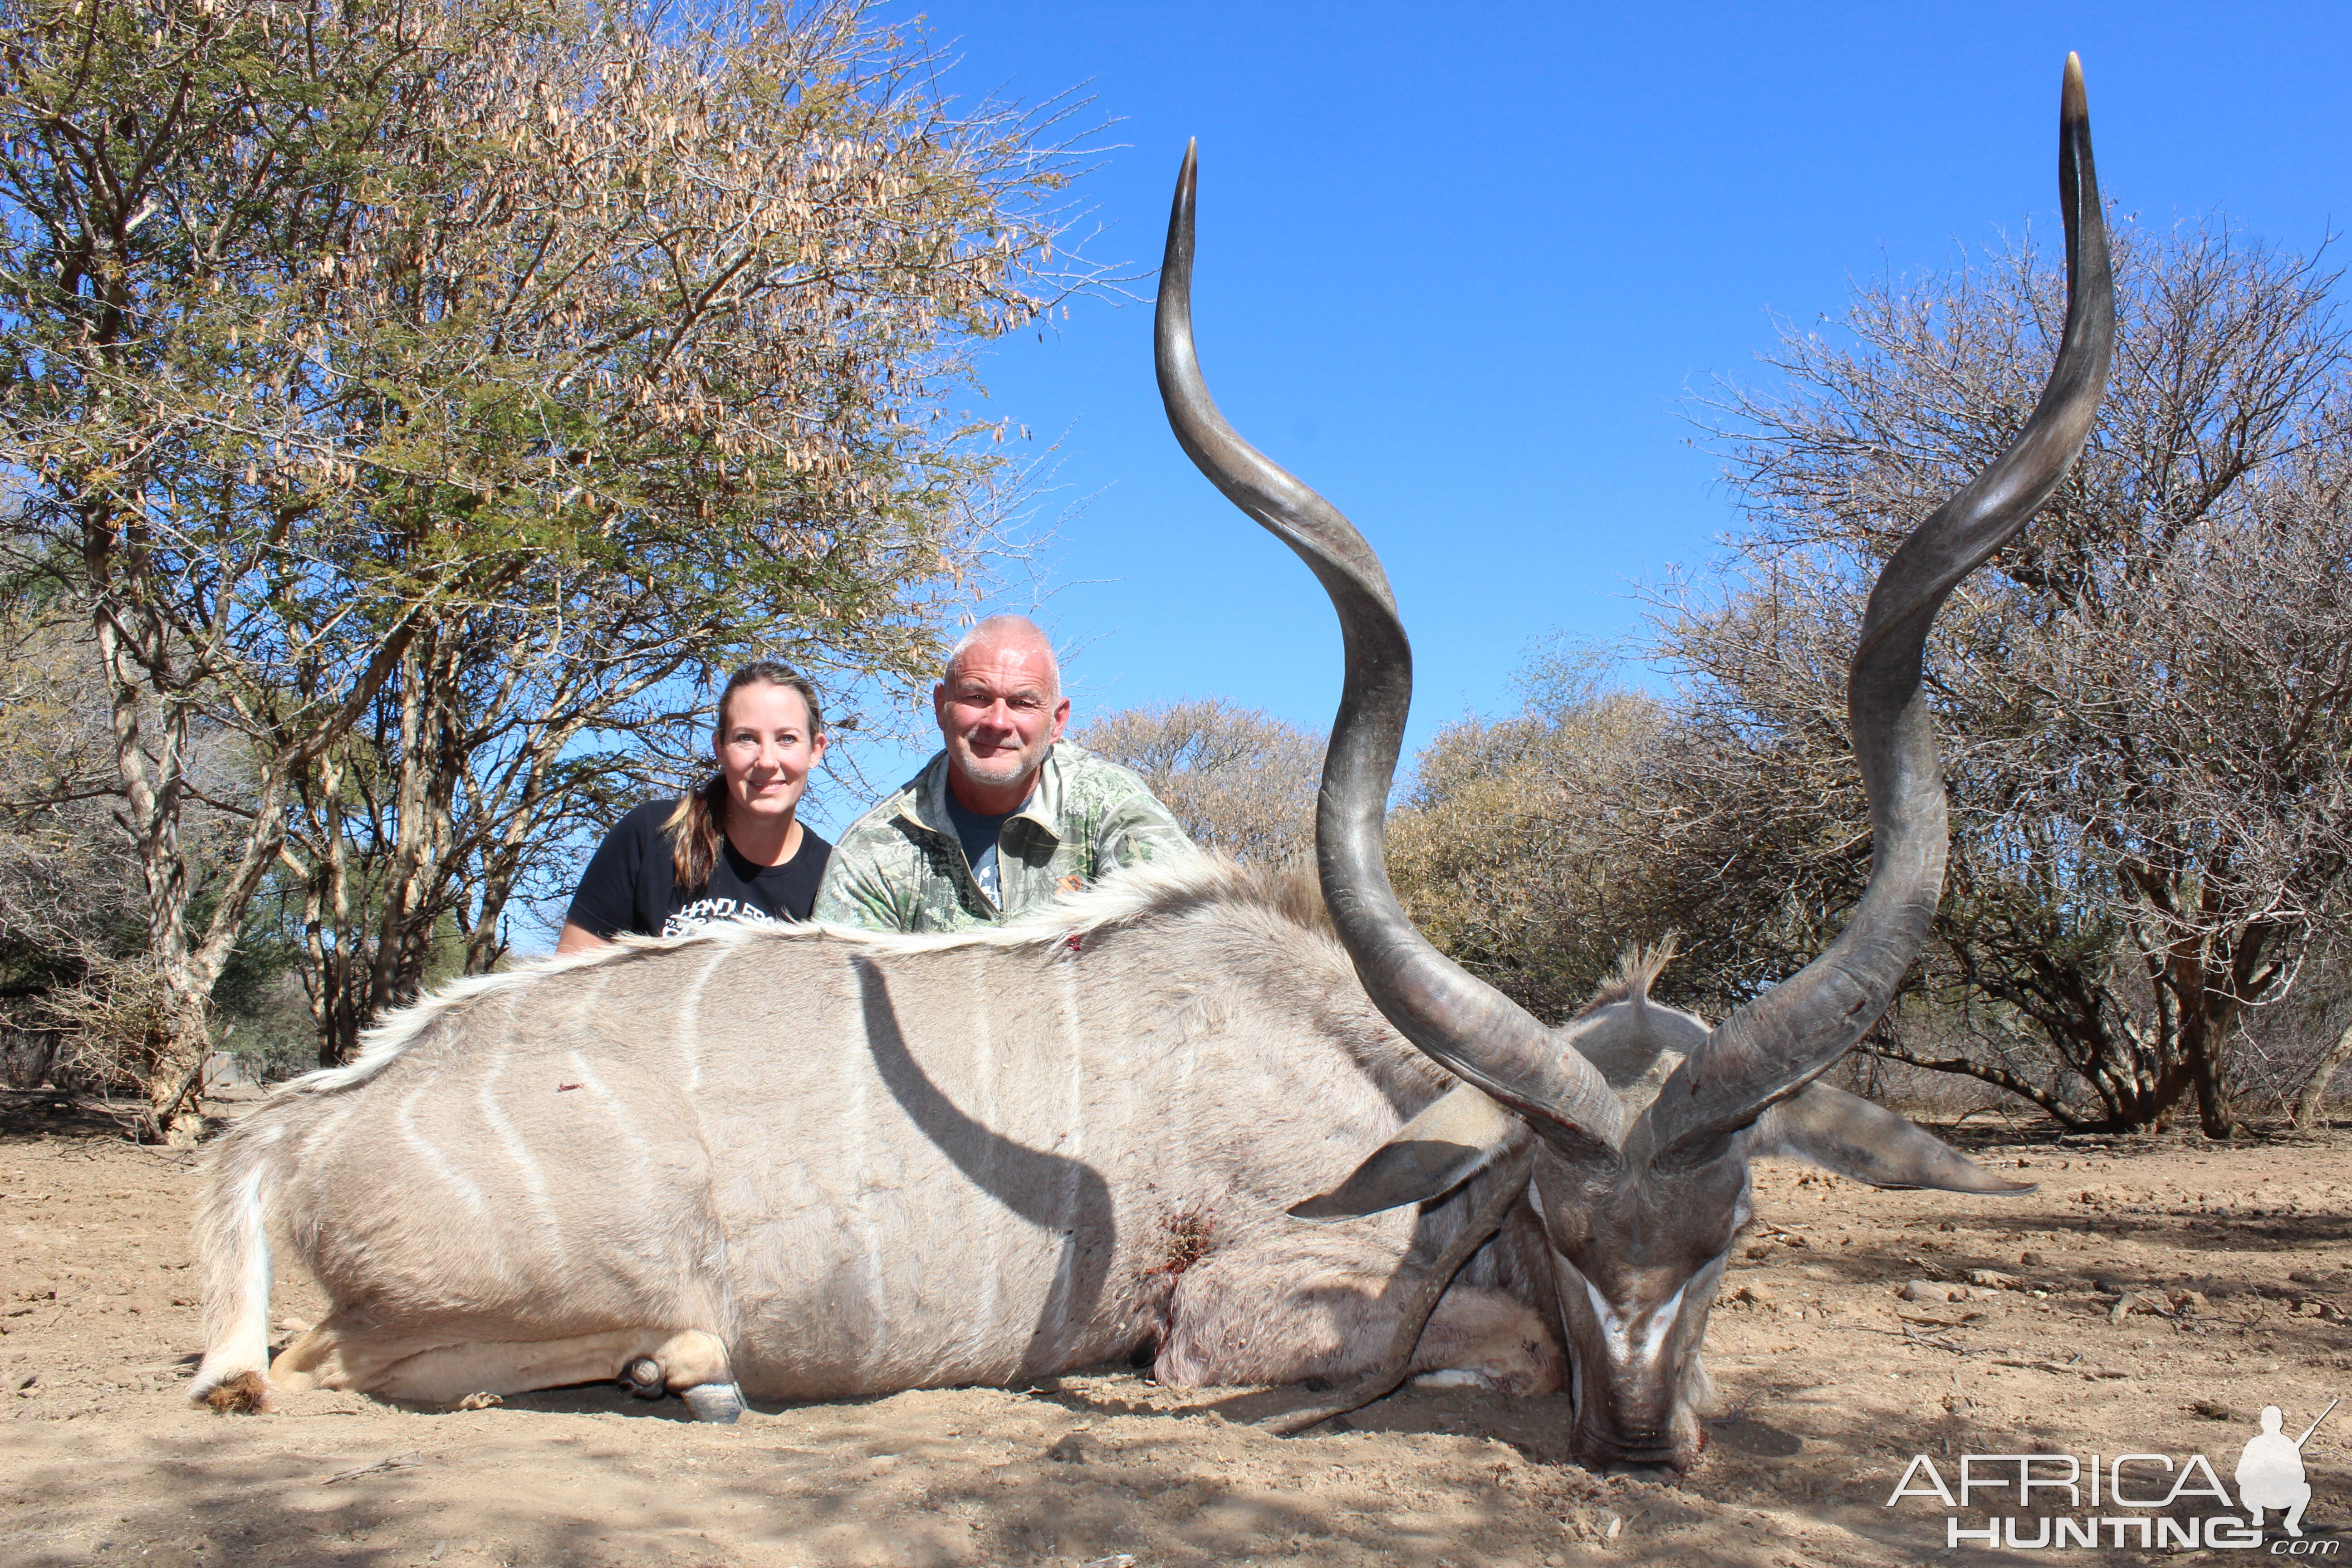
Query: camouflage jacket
[[902, 867]]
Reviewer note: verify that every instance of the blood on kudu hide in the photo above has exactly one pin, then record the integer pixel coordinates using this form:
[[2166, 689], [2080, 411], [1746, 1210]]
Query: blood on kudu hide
[[808, 1163]]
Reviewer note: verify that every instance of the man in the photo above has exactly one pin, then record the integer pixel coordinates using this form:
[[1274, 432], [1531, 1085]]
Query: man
[[1003, 818], [2270, 1472]]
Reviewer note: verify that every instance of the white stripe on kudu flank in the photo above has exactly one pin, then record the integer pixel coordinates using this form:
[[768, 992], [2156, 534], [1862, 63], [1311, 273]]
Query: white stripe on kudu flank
[[1072, 1147], [321, 1137], [518, 1153], [689, 1035], [594, 1088], [429, 1156], [616, 1108]]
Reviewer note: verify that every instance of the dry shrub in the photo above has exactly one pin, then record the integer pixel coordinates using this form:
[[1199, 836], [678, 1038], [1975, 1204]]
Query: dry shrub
[[1236, 778]]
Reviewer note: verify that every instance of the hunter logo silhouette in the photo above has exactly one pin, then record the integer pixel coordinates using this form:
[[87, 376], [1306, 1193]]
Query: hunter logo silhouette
[[2270, 1472]]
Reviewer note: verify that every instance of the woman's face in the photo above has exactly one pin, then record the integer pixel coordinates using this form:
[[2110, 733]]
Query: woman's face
[[766, 750]]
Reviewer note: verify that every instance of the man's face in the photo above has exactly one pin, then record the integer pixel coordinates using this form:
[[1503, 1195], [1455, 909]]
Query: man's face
[[1000, 716]]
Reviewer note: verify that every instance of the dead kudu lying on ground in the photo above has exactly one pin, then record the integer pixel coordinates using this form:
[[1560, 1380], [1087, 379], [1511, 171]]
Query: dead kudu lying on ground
[[809, 1164]]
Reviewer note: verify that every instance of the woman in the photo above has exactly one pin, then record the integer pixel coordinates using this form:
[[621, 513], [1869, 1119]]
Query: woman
[[734, 849]]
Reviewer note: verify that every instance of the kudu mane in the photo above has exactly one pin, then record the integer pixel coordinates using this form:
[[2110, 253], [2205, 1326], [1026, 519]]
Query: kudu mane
[[1286, 901], [1637, 970]]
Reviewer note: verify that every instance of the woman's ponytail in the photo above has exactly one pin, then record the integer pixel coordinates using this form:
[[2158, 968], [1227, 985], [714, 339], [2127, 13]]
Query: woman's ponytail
[[695, 829]]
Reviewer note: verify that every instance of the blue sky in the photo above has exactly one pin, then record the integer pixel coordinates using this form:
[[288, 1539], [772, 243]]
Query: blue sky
[[1460, 268]]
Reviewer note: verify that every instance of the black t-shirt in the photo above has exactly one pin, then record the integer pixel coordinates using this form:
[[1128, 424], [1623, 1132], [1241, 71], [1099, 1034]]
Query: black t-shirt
[[631, 886]]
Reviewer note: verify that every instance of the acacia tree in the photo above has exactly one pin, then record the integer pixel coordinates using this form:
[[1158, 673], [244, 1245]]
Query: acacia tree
[[1238, 779], [2147, 701], [467, 778], [336, 329]]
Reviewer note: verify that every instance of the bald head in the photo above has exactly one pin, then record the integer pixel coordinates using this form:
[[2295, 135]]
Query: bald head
[[1001, 708], [989, 640]]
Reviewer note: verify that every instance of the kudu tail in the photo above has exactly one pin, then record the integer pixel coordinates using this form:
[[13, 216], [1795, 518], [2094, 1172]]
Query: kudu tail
[[233, 1240]]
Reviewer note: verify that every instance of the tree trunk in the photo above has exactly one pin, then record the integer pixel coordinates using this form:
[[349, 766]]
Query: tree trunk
[[150, 750], [2315, 1088], [2217, 1112]]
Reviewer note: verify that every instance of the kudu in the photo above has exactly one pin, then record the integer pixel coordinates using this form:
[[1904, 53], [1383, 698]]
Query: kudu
[[808, 1163]]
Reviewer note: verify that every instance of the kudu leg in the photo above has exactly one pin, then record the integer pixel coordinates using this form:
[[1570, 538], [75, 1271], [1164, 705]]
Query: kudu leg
[[310, 1361], [693, 1366], [690, 1363], [1325, 1303], [410, 1367], [1504, 1187]]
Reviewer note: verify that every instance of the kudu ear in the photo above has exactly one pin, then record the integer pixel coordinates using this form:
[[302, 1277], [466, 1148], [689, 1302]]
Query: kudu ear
[[1459, 1134], [1845, 1133]]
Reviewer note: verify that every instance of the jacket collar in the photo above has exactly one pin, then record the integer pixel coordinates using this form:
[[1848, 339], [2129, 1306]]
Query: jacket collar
[[927, 801]]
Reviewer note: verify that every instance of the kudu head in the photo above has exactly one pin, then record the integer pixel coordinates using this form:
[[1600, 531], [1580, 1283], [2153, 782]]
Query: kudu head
[[1641, 1173]]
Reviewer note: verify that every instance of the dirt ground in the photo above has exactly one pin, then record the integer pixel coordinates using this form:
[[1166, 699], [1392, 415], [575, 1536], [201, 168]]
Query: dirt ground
[[2081, 1339]]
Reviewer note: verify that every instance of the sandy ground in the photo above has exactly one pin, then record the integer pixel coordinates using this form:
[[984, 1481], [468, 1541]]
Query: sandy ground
[[1832, 1382]]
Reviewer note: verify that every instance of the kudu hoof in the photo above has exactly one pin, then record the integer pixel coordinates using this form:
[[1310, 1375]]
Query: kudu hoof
[[642, 1377], [718, 1403]]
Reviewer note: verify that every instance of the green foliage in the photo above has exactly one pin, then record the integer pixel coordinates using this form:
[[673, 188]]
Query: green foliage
[[420, 397]]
